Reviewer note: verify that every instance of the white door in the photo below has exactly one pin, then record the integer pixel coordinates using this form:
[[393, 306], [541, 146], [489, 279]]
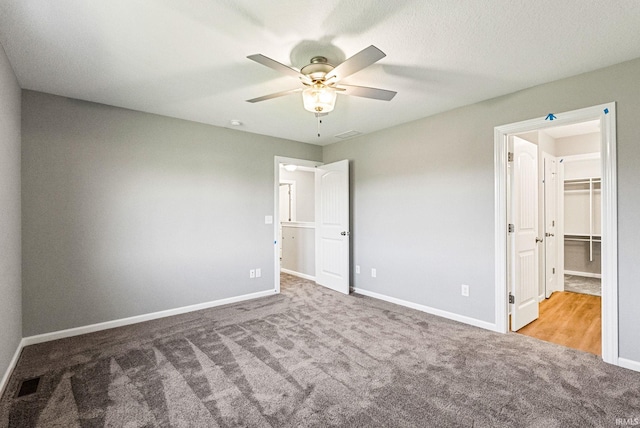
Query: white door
[[524, 217], [332, 226], [550, 221]]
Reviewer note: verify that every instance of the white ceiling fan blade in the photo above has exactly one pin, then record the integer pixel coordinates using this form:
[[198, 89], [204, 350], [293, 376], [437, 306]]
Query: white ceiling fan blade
[[274, 95], [361, 60], [275, 65], [363, 91]]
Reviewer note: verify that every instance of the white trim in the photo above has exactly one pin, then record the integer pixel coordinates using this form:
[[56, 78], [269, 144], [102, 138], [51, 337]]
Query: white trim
[[12, 365], [609, 216], [61, 334], [500, 226], [585, 274], [629, 364], [609, 245], [433, 311], [299, 224], [277, 160], [298, 274]]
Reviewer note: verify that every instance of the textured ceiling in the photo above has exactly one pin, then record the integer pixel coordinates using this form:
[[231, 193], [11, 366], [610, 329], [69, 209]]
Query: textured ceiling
[[187, 59]]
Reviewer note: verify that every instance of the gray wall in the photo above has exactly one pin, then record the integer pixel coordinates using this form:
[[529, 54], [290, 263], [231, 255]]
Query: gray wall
[[576, 257], [298, 249], [127, 213], [423, 197], [578, 144], [10, 252]]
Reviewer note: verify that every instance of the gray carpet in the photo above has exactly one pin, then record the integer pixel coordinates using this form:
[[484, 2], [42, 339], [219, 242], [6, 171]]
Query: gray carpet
[[583, 285], [310, 357]]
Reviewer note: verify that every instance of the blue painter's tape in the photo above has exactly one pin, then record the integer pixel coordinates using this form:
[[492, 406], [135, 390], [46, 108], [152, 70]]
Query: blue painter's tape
[[550, 116], [606, 111]]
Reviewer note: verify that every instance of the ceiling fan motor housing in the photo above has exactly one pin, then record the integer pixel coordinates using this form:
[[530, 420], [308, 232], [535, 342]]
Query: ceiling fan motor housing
[[318, 69]]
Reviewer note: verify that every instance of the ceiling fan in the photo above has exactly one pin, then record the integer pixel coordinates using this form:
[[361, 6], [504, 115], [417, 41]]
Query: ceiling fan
[[321, 80]]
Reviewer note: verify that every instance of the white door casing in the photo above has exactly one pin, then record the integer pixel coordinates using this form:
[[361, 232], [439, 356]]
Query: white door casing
[[550, 224], [277, 245], [332, 226], [524, 216], [606, 114]]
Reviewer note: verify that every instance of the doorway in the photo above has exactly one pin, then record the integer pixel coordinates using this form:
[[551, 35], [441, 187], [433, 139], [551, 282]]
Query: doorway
[[296, 238], [605, 115], [284, 182], [325, 240], [569, 286]]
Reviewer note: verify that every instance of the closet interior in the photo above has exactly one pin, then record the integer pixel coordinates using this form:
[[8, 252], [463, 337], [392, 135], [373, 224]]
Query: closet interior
[[582, 216]]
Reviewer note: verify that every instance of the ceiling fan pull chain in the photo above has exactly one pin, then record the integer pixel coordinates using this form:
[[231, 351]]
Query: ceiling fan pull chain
[[318, 117]]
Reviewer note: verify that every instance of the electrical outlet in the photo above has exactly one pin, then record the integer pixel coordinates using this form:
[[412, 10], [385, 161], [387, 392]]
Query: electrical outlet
[[373, 273], [357, 268], [258, 273], [465, 290], [252, 273]]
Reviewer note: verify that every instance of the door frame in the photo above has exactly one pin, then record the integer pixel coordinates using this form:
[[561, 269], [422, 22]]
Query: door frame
[[276, 208], [606, 113]]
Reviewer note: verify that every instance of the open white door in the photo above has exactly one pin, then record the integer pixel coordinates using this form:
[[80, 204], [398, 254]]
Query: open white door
[[524, 217], [550, 222], [332, 226]]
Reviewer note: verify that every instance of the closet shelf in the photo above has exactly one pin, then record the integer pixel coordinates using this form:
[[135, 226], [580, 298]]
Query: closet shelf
[[585, 180], [585, 194]]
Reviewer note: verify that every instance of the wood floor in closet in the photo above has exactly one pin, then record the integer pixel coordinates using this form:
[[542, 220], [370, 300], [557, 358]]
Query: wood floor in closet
[[570, 319]]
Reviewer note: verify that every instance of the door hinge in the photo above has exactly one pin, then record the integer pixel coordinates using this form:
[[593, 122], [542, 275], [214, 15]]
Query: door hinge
[[512, 298], [511, 228], [510, 157], [553, 270], [553, 223]]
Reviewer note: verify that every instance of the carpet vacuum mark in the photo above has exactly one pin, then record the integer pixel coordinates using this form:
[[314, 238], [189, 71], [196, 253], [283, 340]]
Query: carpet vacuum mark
[[310, 357]]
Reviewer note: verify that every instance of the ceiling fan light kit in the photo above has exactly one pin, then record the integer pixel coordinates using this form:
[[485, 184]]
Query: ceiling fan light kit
[[319, 98], [320, 80]]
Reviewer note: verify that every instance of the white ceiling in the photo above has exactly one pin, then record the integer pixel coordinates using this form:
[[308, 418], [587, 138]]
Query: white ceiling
[[187, 58]]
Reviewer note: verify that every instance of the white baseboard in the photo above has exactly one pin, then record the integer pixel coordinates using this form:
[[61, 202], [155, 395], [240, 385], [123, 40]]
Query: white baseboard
[[629, 364], [585, 274], [12, 365], [430, 310], [61, 334], [298, 274]]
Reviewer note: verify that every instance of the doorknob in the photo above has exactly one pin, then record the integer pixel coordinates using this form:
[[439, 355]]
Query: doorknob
[[345, 233], [549, 234], [538, 240]]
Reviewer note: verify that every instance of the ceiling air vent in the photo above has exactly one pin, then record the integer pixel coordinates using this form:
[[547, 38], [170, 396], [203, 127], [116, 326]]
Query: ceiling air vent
[[348, 134]]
